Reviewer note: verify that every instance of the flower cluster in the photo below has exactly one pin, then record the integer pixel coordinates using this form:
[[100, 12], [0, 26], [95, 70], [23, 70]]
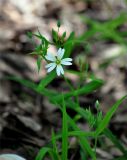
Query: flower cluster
[[57, 62]]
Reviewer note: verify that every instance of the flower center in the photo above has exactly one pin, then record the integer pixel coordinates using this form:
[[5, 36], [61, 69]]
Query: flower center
[[58, 61]]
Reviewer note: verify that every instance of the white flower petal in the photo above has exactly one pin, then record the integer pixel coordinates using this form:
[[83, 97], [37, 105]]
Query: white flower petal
[[66, 63], [51, 68], [59, 70], [49, 65], [50, 57], [11, 157], [57, 61], [60, 53], [67, 59]]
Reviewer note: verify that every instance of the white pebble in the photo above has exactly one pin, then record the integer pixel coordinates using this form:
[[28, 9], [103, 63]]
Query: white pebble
[[10, 157]]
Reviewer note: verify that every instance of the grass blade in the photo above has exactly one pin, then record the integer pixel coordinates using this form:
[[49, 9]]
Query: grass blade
[[43, 152], [55, 149], [44, 82], [81, 133], [114, 139], [64, 133], [108, 116], [88, 88], [33, 86], [82, 140]]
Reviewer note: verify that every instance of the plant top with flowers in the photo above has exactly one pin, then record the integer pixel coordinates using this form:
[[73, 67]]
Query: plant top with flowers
[[58, 60]]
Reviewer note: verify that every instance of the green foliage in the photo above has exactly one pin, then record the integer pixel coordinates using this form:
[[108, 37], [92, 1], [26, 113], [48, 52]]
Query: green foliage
[[39, 63], [44, 82], [90, 118], [86, 89], [107, 30], [115, 140], [54, 36], [83, 142], [54, 143], [69, 44], [44, 151], [103, 124], [64, 133], [97, 122]]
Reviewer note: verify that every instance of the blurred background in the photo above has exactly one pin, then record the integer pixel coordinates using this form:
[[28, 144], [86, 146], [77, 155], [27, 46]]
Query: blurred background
[[26, 118]]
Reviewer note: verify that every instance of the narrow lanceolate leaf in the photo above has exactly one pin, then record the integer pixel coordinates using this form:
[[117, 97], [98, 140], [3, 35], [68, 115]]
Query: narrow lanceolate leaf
[[103, 124], [39, 63], [44, 151], [33, 86], [24, 82], [54, 35], [63, 35], [64, 133], [46, 80], [82, 140], [88, 88], [55, 148], [69, 45], [115, 140], [81, 134], [74, 134]]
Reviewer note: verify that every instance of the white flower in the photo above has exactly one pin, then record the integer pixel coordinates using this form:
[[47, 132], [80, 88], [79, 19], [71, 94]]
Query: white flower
[[10, 157], [57, 61]]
